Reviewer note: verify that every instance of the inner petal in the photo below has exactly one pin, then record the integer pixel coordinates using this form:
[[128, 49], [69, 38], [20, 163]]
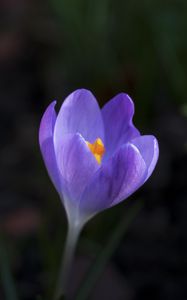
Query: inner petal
[[97, 148]]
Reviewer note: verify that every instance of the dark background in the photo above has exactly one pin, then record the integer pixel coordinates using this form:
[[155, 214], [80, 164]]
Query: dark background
[[47, 50]]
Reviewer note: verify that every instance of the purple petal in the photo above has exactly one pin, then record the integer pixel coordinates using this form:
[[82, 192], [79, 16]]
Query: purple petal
[[117, 178], [117, 116], [79, 113], [76, 164], [148, 147], [46, 144]]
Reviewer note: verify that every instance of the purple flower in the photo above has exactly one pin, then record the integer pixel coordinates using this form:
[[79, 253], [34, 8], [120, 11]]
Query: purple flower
[[95, 158]]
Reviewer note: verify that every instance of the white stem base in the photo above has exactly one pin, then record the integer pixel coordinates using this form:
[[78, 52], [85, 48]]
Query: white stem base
[[67, 259]]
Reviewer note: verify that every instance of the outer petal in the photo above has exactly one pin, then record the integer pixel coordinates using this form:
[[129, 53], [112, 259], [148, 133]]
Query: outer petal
[[119, 129], [79, 113], [148, 147], [117, 178], [46, 144], [77, 165]]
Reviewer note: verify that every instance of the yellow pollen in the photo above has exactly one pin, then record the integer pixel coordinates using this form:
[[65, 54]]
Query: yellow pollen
[[97, 148]]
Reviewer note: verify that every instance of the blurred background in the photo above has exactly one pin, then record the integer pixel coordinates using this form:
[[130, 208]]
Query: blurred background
[[47, 50]]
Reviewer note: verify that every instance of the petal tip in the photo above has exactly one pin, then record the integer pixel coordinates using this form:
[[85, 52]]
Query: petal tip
[[126, 102], [82, 91], [47, 122]]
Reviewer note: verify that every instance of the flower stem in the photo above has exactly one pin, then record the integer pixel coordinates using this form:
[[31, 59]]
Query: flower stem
[[67, 259]]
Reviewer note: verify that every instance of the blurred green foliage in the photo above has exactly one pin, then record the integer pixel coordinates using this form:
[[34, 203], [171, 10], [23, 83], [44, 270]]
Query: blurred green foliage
[[7, 279], [134, 46]]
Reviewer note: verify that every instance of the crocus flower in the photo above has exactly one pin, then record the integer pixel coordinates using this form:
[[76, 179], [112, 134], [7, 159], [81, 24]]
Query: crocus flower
[[95, 158]]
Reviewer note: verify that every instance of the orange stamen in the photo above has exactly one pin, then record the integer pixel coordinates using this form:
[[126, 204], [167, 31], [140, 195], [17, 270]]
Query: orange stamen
[[97, 148]]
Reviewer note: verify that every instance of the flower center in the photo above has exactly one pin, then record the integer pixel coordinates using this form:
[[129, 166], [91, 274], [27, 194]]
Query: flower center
[[97, 148]]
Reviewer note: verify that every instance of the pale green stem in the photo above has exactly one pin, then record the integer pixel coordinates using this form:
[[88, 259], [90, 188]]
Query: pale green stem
[[67, 259]]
